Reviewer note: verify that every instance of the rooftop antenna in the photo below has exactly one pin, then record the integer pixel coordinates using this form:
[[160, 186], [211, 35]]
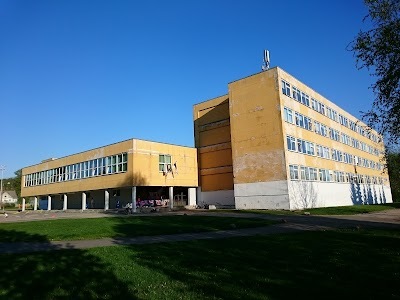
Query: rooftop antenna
[[265, 65]]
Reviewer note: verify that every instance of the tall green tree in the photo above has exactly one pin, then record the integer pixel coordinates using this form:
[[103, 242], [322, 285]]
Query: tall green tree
[[13, 183], [378, 50], [393, 167]]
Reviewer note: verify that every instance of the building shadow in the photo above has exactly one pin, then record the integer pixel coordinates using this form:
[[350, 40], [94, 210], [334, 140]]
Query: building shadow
[[266, 267], [365, 194], [355, 193], [67, 274]]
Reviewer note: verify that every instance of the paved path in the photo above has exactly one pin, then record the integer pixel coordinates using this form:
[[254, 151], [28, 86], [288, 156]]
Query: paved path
[[387, 219]]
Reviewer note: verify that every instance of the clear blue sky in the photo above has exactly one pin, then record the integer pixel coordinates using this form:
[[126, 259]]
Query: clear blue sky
[[76, 75]]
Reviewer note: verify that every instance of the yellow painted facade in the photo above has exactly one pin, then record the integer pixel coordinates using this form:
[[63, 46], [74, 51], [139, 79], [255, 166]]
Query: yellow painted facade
[[212, 133], [142, 169], [256, 129], [310, 135], [253, 142]]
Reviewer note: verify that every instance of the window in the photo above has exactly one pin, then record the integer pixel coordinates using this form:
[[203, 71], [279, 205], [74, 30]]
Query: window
[[291, 143], [332, 114], [347, 158], [307, 123], [323, 152], [313, 174], [307, 173], [361, 130], [164, 162], [324, 175], [305, 99], [317, 126], [288, 115], [299, 119], [123, 162], [303, 121], [310, 148], [352, 125], [336, 174], [305, 147], [296, 94], [363, 146], [355, 143], [301, 146], [95, 167], [302, 173], [113, 164], [324, 130], [314, 104], [285, 88], [343, 120], [321, 108], [345, 139], [320, 128], [334, 134], [317, 106], [294, 172], [339, 176], [337, 155]]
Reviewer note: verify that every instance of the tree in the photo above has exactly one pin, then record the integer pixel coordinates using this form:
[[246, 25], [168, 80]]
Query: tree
[[304, 194], [14, 183], [393, 167], [378, 50]]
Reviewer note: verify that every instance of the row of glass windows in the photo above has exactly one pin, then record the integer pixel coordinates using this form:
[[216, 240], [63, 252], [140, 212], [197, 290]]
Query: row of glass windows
[[298, 172], [96, 167], [318, 106], [306, 147], [321, 129]]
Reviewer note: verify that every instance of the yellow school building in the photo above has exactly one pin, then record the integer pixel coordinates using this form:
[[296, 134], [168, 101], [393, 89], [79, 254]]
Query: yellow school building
[[132, 171], [272, 142]]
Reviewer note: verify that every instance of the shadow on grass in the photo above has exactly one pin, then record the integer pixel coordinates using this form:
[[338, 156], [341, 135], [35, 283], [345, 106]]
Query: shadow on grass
[[176, 224], [313, 265], [13, 236], [120, 227], [71, 274]]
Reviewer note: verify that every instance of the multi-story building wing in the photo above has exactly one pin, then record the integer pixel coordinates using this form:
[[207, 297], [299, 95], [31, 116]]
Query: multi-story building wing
[[275, 143], [213, 141], [112, 176]]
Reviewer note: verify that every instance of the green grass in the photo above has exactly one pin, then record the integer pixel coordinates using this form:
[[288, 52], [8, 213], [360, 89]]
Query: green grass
[[309, 265], [352, 210], [79, 229], [339, 210]]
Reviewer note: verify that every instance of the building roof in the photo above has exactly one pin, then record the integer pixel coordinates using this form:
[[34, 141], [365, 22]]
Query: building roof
[[12, 194], [131, 139]]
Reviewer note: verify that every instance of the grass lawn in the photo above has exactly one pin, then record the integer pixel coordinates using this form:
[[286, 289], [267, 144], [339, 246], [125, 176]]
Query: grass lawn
[[310, 265], [79, 229], [339, 210]]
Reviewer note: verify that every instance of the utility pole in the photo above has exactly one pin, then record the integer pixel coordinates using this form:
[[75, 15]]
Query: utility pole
[[2, 168]]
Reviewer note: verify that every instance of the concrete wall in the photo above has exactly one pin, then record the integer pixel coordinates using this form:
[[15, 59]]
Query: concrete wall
[[222, 198], [310, 194], [262, 195]]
